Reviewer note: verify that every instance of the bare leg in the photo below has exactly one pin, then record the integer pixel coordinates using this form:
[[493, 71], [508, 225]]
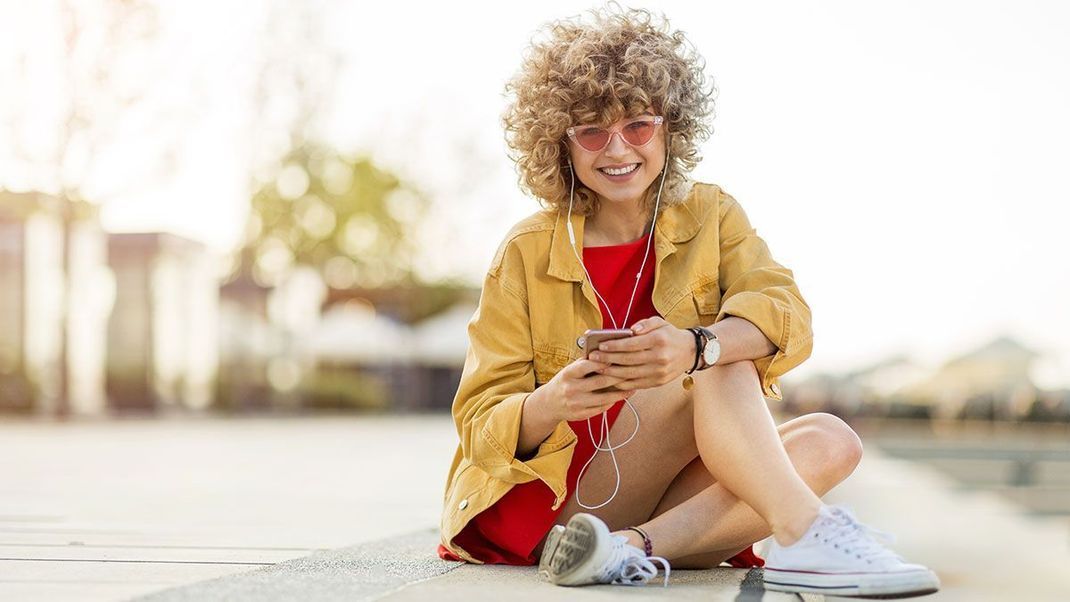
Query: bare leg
[[738, 443], [822, 449], [655, 483]]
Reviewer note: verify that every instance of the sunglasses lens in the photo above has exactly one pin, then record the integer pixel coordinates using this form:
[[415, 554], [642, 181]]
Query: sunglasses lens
[[638, 133], [635, 133], [592, 139]]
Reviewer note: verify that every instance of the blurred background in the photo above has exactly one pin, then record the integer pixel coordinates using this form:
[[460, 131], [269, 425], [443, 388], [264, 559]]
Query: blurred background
[[220, 209]]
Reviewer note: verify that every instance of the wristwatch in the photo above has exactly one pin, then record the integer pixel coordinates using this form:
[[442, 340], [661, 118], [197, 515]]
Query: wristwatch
[[711, 348]]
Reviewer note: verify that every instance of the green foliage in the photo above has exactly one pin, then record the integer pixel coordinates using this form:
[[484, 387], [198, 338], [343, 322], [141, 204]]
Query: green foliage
[[342, 389], [347, 218]]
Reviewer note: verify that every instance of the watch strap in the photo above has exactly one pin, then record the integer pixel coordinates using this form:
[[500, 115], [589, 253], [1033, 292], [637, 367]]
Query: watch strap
[[707, 336], [698, 349]]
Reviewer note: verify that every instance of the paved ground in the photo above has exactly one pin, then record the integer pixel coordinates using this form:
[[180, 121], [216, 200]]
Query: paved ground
[[399, 569], [271, 509], [109, 510]]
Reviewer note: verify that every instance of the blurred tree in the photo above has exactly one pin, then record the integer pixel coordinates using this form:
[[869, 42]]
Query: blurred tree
[[349, 219]]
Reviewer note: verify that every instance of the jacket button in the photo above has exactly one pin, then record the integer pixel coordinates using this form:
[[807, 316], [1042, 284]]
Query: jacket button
[[463, 504], [581, 341]]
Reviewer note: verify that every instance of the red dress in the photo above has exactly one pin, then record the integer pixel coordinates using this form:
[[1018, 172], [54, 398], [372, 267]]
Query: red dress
[[508, 531]]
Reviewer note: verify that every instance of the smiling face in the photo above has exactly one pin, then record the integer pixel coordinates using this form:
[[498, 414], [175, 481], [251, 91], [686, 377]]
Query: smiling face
[[620, 173]]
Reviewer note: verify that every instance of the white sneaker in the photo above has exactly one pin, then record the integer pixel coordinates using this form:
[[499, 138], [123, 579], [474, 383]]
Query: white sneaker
[[840, 556], [584, 552]]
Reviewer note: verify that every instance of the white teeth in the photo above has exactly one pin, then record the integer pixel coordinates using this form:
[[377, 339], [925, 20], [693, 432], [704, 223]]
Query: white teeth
[[621, 171]]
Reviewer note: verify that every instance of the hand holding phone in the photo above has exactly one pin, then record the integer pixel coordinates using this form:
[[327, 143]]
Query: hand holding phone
[[592, 338]]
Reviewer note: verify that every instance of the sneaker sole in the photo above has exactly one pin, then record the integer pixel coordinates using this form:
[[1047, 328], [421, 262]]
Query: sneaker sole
[[571, 552], [879, 585], [549, 548]]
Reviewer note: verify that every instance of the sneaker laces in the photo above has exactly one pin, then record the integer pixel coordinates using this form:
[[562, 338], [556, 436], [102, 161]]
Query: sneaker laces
[[627, 565], [860, 539]]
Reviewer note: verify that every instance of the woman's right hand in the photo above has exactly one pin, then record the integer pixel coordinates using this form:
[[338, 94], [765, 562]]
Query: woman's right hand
[[571, 392]]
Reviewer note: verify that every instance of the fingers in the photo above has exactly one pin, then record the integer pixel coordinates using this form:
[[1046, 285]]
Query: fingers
[[624, 373], [648, 324], [639, 377], [624, 358], [586, 391], [638, 342], [583, 376], [601, 381], [582, 367], [638, 383]]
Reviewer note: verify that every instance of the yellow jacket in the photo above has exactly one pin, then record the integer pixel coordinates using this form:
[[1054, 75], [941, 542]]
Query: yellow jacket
[[710, 263]]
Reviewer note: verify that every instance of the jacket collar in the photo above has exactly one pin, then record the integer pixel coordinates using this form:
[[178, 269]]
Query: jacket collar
[[563, 262], [676, 224]]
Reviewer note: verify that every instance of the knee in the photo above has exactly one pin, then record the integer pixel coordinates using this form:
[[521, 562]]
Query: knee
[[838, 446]]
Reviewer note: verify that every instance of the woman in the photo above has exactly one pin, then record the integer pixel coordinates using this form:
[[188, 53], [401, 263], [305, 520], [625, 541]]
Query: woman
[[604, 125]]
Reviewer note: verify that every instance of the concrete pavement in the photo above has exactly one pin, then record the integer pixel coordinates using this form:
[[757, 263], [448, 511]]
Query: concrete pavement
[[399, 569], [263, 508]]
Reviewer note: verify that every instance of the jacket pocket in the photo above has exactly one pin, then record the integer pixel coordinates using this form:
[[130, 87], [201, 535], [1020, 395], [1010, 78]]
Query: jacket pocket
[[548, 362], [707, 300]]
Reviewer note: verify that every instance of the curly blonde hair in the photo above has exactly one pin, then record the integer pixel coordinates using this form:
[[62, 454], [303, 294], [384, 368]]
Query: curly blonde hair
[[621, 64]]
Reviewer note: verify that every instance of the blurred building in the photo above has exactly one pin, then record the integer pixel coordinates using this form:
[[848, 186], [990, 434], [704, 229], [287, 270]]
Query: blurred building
[[440, 344], [359, 359], [991, 382], [163, 334], [988, 381], [364, 358], [52, 316], [294, 309], [247, 341]]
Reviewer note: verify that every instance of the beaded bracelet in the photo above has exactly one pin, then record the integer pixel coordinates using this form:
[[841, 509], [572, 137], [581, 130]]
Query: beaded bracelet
[[648, 547]]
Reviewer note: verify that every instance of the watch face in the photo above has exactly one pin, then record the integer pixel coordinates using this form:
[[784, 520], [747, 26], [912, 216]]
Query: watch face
[[712, 352]]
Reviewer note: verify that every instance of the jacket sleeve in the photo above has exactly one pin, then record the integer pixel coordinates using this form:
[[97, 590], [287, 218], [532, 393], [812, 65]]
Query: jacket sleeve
[[497, 378], [763, 292]]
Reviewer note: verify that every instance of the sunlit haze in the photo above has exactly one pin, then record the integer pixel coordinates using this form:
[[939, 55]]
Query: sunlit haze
[[905, 160]]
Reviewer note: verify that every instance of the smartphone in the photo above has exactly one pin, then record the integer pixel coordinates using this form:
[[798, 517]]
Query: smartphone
[[592, 338]]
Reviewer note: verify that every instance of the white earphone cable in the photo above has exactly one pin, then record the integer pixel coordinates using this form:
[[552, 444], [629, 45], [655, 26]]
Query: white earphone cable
[[604, 430]]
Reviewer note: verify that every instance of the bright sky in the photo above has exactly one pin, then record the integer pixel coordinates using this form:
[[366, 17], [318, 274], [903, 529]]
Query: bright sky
[[906, 160]]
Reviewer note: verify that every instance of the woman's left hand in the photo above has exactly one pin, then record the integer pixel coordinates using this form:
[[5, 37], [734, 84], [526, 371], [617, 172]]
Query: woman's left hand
[[656, 354]]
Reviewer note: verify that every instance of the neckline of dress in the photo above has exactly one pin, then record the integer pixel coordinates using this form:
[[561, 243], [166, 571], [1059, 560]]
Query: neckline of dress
[[636, 242]]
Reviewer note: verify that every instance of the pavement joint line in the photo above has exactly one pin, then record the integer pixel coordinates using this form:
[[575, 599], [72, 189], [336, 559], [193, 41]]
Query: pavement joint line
[[138, 561], [81, 581], [50, 531], [35, 518], [154, 547]]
